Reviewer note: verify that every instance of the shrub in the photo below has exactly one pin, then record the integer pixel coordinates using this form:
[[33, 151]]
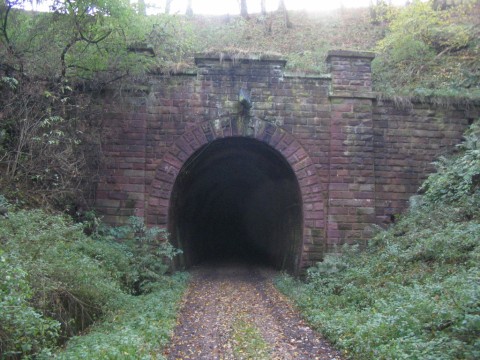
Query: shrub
[[67, 284], [152, 253], [458, 179]]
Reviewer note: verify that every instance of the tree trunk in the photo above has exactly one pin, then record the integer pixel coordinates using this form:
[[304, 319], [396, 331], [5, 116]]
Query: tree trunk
[[263, 7], [189, 11], [243, 9], [142, 7], [167, 6], [282, 8]]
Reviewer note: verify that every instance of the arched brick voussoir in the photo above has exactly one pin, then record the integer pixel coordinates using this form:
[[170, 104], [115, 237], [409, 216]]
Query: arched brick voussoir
[[276, 137], [183, 148], [217, 129], [295, 154]]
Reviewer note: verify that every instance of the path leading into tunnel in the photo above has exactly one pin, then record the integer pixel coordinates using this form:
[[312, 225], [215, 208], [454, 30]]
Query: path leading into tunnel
[[233, 311]]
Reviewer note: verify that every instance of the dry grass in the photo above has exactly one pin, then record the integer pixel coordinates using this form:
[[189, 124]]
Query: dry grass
[[304, 45]]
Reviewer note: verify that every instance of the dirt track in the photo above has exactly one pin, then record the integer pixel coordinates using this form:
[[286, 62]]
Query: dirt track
[[222, 296]]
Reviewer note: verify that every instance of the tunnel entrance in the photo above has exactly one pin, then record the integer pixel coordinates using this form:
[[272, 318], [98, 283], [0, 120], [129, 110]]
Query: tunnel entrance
[[237, 198]]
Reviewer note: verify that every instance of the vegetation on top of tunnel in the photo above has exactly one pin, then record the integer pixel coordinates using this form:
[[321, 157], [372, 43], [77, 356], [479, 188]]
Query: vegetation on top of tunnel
[[424, 51], [413, 293], [56, 282], [428, 52]]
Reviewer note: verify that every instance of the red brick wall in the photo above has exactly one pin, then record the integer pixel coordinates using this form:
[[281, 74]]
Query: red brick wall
[[356, 160], [406, 143]]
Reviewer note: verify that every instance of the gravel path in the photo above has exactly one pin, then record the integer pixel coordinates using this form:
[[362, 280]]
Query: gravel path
[[232, 304]]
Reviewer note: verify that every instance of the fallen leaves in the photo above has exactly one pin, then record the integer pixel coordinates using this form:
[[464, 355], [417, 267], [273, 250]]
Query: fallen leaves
[[234, 312]]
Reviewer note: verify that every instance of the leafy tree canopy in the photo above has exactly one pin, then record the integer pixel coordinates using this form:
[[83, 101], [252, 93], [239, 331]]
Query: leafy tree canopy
[[50, 66], [84, 38]]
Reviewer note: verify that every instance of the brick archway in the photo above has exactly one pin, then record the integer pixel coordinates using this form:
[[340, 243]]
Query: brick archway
[[311, 189], [363, 165]]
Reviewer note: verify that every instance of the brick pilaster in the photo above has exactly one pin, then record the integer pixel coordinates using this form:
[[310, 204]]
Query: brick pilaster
[[351, 186]]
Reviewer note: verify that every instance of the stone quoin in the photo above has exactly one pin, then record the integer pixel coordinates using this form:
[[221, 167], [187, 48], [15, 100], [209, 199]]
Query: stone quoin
[[238, 154]]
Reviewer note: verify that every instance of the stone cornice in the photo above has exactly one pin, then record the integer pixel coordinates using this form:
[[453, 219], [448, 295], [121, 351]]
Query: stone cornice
[[350, 54]]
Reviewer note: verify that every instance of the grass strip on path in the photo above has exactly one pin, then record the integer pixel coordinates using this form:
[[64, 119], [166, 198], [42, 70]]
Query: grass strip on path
[[248, 342]]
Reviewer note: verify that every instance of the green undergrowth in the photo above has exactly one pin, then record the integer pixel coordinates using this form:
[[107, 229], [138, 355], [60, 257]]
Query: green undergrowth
[[57, 283], [139, 328], [414, 292]]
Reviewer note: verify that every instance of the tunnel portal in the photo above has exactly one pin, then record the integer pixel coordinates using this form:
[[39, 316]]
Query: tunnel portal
[[237, 198]]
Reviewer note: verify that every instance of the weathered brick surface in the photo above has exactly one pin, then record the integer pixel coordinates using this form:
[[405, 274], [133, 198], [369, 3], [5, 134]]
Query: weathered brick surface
[[406, 142], [351, 72], [356, 160]]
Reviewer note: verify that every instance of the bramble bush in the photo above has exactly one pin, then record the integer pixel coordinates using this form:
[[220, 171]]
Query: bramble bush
[[413, 293]]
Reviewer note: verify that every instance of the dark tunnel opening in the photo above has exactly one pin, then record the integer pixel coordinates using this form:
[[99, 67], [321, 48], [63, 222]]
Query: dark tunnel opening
[[237, 199]]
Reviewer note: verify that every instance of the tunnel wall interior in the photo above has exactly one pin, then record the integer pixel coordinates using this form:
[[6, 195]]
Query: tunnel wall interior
[[237, 198]]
